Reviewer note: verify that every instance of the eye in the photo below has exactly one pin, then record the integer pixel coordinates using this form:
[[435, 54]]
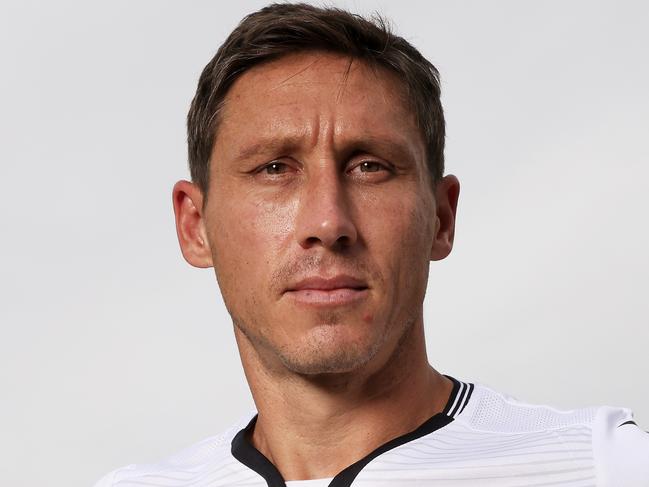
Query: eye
[[371, 166], [274, 168], [371, 170]]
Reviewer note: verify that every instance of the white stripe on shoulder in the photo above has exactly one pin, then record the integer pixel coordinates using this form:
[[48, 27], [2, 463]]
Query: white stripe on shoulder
[[457, 397]]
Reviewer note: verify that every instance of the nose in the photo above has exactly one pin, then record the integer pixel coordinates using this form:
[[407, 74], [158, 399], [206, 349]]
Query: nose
[[324, 216]]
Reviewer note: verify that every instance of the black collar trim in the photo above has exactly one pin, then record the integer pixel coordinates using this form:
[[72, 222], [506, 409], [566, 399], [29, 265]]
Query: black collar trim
[[247, 454], [252, 458], [459, 398]]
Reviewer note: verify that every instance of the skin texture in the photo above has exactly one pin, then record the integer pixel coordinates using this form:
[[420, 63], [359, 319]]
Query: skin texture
[[318, 170]]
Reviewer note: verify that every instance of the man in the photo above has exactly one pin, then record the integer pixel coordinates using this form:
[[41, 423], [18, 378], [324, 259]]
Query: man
[[318, 195]]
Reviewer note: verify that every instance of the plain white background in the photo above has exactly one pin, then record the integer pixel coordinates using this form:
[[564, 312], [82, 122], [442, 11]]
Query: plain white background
[[114, 351]]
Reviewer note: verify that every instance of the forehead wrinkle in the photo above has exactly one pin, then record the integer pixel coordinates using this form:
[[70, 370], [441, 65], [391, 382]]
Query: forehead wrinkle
[[324, 128]]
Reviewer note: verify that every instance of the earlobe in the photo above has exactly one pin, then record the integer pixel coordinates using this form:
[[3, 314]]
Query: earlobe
[[190, 224], [447, 192]]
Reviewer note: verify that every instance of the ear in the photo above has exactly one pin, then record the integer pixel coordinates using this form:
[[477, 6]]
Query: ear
[[447, 191], [190, 225]]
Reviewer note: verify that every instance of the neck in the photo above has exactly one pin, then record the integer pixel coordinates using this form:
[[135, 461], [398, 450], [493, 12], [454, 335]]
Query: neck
[[315, 426]]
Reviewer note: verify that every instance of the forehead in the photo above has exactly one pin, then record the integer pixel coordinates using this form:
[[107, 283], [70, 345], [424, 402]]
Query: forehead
[[314, 95]]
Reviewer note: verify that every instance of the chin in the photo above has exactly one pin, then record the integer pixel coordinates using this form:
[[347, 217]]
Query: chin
[[330, 350], [339, 363]]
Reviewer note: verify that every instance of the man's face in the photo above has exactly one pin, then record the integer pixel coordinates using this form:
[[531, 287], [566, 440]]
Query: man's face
[[321, 216]]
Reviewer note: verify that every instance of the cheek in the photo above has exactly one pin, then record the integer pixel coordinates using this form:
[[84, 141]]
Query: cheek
[[399, 239], [247, 241], [398, 226], [271, 223]]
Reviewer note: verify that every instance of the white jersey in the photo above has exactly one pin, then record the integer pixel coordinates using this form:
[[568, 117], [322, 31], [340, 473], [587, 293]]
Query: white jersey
[[482, 438]]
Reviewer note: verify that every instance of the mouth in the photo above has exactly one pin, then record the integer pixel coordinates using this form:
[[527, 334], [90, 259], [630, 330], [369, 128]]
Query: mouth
[[339, 290]]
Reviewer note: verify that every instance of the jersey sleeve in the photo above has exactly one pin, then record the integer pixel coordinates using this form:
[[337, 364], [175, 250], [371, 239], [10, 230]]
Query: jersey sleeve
[[621, 449]]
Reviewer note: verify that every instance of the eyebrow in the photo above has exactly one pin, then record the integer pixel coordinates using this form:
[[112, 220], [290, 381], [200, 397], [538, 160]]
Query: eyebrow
[[268, 145], [396, 149]]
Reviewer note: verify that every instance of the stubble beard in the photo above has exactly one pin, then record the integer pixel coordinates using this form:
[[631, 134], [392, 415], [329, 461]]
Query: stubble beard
[[322, 351], [320, 354]]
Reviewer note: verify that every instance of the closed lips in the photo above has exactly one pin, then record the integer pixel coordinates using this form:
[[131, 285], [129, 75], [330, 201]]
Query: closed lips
[[328, 284]]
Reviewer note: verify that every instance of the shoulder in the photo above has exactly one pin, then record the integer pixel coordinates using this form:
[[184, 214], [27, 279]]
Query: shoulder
[[189, 466], [621, 448], [618, 447], [494, 411]]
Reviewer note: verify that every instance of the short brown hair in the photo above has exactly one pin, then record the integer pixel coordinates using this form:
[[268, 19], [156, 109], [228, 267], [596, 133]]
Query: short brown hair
[[281, 29]]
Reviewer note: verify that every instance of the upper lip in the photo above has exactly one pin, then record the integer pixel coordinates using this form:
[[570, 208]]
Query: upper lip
[[328, 283]]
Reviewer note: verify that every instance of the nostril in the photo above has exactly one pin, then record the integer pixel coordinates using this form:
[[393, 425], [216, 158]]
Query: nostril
[[344, 240], [329, 226], [312, 240], [341, 242]]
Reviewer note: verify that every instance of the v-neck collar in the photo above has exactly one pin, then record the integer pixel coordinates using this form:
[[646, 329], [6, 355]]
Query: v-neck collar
[[246, 453]]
